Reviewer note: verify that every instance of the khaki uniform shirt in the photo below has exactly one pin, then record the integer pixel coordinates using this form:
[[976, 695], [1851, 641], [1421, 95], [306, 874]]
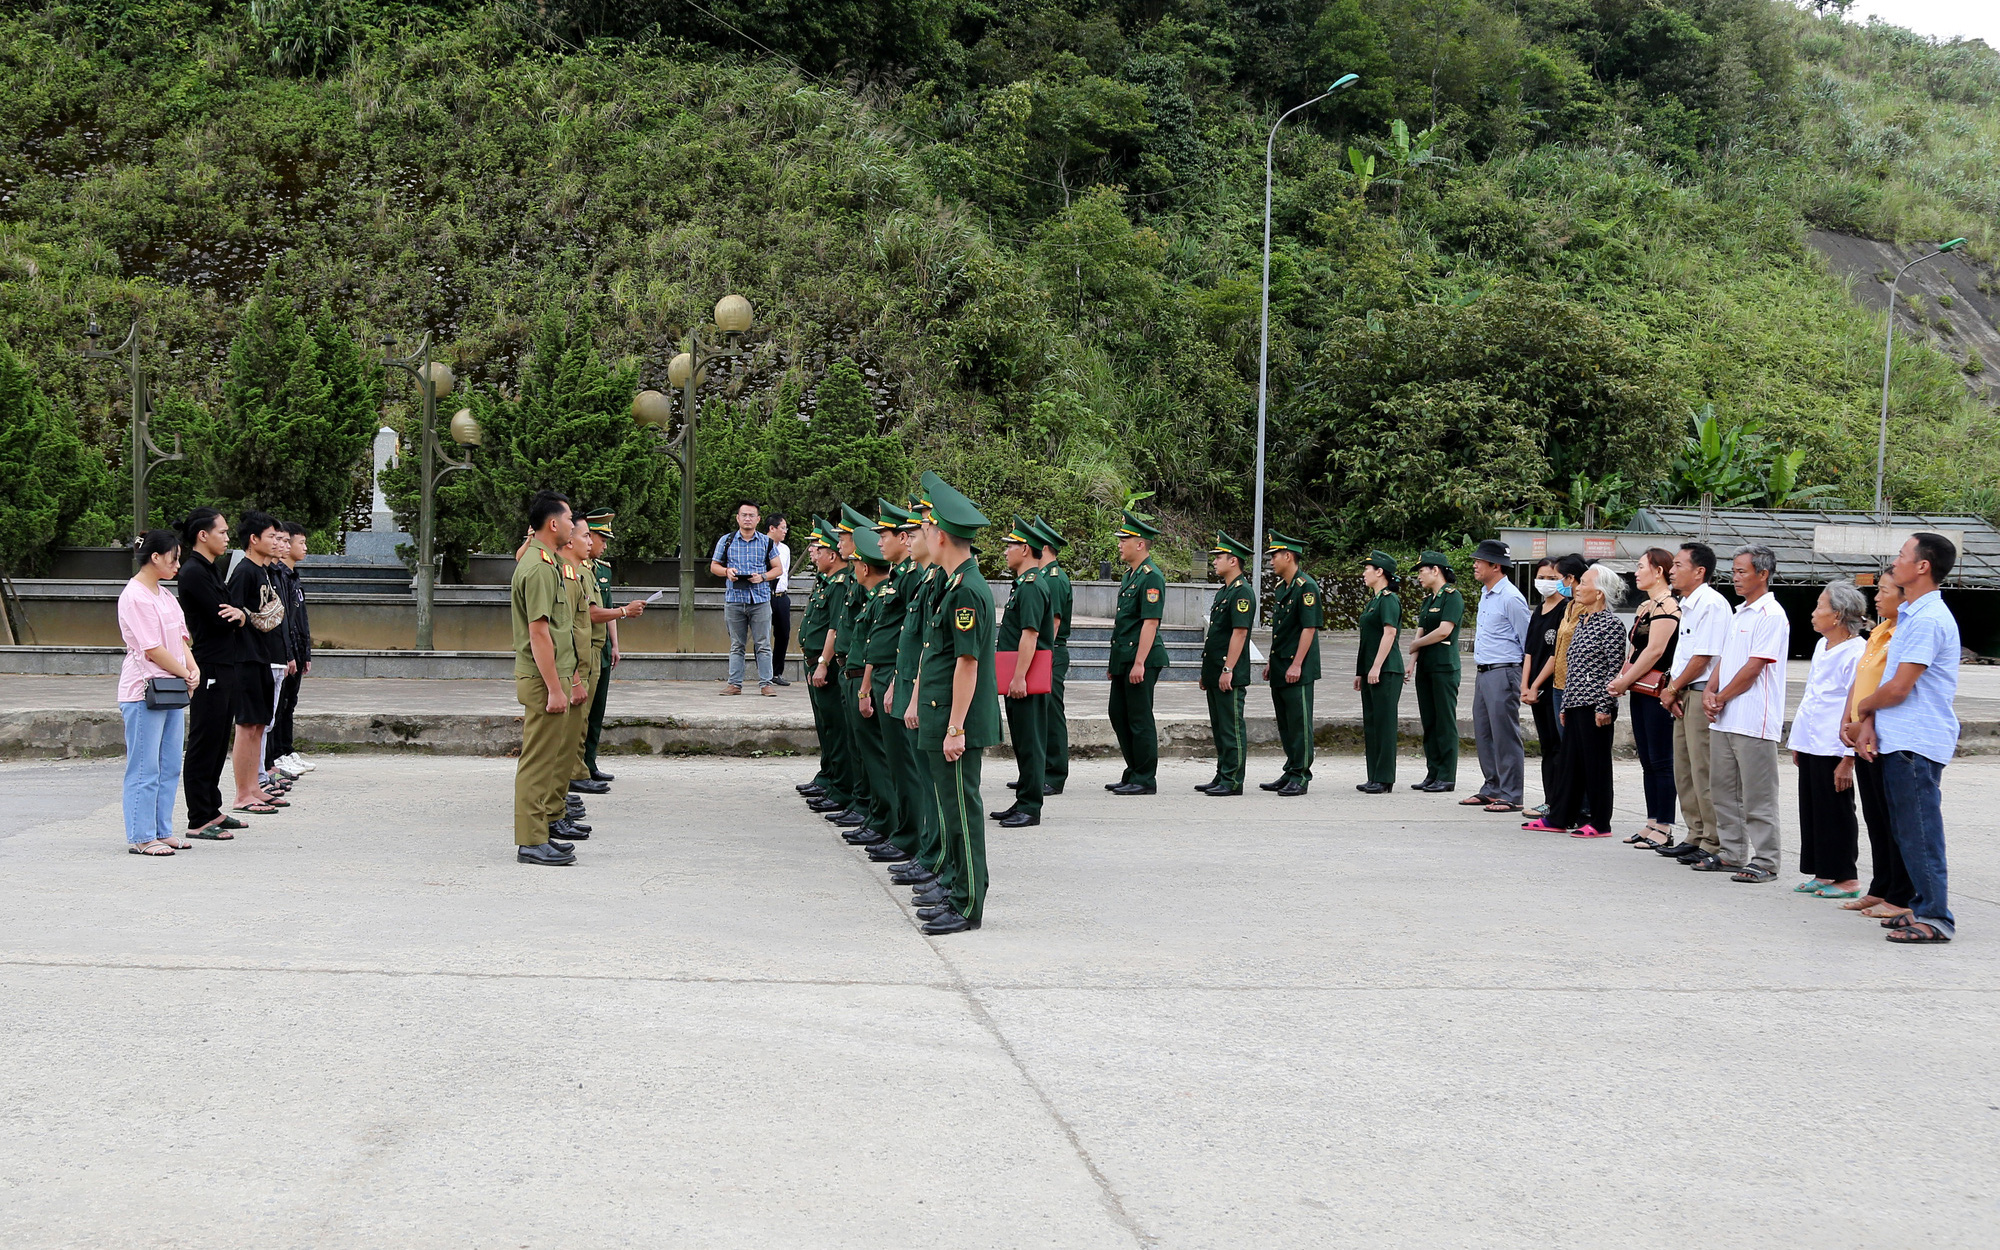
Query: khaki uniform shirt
[[539, 593]]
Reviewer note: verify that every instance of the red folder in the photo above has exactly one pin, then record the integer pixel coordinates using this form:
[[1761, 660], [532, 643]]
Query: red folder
[[1041, 671]]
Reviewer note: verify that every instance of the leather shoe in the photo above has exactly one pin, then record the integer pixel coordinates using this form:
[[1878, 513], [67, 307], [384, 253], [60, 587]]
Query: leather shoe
[[564, 847], [1206, 786], [587, 786], [781, 681], [598, 774], [543, 854], [912, 873], [1047, 793], [866, 835], [1113, 785], [1004, 812], [820, 803], [1013, 785], [1373, 787], [931, 895], [569, 829], [1133, 787], [1425, 784], [1291, 789], [949, 922], [1220, 793], [1439, 787], [1020, 820], [806, 786], [887, 852], [849, 819], [1279, 784]]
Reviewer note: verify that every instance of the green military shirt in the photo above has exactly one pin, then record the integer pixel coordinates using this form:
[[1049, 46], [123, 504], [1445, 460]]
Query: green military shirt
[[1384, 611], [1447, 606], [1233, 609], [842, 619], [920, 589], [1062, 596], [817, 619], [960, 624], [1141, 597], [1029, 607], [884, 625], [601, 630], [860, 620], [846, 622], [539, 593], [1298, 608]]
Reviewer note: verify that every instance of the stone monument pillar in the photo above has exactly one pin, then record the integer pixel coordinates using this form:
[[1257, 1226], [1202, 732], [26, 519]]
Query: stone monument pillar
[[380, 520]]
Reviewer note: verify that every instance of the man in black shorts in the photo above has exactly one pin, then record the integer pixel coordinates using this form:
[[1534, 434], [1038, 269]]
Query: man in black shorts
[[269, 653]]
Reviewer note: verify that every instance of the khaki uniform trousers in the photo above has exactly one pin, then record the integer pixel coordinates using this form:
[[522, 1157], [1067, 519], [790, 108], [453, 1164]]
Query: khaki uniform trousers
[[580, 721], [1693, 762], [541, 774]]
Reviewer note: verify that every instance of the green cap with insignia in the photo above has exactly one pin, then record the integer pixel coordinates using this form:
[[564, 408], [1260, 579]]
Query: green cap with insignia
[[952, 512], [1278, 542], [1382, 560], [1025, 534], [1138, 525], [889, 517], [600, 521], [920, 508], [822, 533], [853, 522], [868, 549], [1435, 559], [1227, 546], [1050, 536]]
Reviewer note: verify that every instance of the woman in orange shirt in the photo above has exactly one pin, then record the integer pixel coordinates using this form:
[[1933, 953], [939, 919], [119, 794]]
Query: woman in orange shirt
[[1889, 890]]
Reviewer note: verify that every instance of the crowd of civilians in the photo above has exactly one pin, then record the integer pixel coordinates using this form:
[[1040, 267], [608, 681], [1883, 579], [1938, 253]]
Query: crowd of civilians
[[211, 677], [1705, 687]]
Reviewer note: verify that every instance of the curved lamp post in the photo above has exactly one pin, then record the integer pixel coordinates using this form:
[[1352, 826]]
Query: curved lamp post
[[687, 371], [434, 381], [1888, 355], [1264, 349], [146, 455]]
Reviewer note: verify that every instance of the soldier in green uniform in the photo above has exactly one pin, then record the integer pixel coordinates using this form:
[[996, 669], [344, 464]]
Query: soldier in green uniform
[[1378, 672], [958, 711], [825, 792], [1063, 596], [888, 610], [545, 682], [1294, 666], [1434, 659], [1225, 664], [871, 571], [1026, 625], [834, 662], [1137, 656], [603, 656], [920, 589]]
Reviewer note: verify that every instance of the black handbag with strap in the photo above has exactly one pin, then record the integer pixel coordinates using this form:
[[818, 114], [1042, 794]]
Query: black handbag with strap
[[163, 693]]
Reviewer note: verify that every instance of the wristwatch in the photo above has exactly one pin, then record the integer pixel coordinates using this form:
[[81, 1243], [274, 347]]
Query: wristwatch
[[954, 731]]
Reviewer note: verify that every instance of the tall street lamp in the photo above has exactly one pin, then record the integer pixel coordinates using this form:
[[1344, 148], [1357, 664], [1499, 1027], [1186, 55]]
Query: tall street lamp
[[146, 455], [1888, 354], [733, 317], [434, 381], [1264, 347]]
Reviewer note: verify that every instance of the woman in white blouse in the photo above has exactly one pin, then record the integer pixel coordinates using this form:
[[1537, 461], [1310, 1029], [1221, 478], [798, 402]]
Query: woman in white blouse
[[1828, 836]]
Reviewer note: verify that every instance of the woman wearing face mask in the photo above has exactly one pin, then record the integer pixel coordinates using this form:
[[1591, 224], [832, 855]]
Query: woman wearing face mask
[[1549, 630], [1594, 654]]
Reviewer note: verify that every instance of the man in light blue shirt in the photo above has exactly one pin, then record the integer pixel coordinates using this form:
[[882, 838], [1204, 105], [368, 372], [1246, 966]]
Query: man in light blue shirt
[[1497, 643], [748, 563], [1908, 724]]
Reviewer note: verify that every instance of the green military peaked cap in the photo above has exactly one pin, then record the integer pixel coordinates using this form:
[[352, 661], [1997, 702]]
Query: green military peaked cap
[[868, 548], [1023, 533], [1051, 537], [1138, 525], [920, 508], [1278, 542], [600, 521], [952, 512], [889, 517], [1382, 560], [1227, 546], [822, 533], [852, 521], [1436, 560]]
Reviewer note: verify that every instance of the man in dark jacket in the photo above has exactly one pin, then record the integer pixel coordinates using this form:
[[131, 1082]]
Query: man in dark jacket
[[279, 753], [215, 624]]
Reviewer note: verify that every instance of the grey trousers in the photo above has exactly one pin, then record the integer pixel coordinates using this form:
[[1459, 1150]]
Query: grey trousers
[[1496, 731], [1744, 771], [1691, 771]]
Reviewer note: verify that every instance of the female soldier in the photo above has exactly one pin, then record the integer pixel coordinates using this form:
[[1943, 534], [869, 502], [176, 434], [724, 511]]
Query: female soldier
[[1378, 672], [1434, 656]]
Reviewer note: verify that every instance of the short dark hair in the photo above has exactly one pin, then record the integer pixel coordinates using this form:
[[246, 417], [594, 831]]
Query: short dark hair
[[1937, 551], [293, 527], [747, 503], [1571, 565], [773, 521], [544, 505], [159, 542], [252, 524], [197, 523], [1701, 556]]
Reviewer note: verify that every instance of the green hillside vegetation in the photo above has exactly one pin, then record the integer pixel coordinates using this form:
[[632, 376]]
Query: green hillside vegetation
[[1513, 267]]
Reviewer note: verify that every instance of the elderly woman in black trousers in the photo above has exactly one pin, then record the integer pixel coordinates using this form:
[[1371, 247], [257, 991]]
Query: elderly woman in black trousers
[[1593, 656]]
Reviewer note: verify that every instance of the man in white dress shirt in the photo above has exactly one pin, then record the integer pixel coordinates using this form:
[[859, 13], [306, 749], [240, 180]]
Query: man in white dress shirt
[[1745, 706], [1704, 622]]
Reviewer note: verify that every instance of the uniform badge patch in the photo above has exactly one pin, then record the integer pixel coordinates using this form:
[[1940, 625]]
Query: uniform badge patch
[[1152, 594], [964, 619], [1242, 605], [1308, 600]]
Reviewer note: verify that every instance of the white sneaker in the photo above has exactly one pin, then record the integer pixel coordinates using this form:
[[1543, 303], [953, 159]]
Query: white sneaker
[[299, 761], [284, 769]]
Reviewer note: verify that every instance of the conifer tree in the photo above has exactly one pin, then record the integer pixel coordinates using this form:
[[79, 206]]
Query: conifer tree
[[54, 490]]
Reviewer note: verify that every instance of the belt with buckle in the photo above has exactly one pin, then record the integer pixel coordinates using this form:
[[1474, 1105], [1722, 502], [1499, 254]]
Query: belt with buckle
[[1487, 668]]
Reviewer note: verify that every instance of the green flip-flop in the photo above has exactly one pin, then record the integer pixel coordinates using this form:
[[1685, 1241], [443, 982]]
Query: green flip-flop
[[1830, 893], [1813, 886]]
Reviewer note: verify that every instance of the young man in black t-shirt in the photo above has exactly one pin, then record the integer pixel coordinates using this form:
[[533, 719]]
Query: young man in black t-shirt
[[268, 654]]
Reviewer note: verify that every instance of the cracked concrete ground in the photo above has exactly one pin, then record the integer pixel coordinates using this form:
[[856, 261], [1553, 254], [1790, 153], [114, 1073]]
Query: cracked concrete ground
[[1334, 1021]]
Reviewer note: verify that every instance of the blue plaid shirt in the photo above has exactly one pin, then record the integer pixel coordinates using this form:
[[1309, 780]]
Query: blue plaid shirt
[[753, 556], [1926, 634]]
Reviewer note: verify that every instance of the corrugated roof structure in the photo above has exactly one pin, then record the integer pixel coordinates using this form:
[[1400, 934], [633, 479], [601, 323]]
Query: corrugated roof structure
[[1807, 541]]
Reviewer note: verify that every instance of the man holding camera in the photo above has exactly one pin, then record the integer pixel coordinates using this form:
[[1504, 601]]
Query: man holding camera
[[748, 561]]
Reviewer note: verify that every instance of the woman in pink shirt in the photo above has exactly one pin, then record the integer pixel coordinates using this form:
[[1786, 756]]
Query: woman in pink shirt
[[156, 645]]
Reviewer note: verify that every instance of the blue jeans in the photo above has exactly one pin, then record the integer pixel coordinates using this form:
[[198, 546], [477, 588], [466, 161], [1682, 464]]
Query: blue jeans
[[153, 740], [751, 623], [1916, 816]]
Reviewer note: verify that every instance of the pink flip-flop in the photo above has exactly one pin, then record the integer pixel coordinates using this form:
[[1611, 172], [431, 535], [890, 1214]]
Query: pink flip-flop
[[1539, 825], [1590, 831]]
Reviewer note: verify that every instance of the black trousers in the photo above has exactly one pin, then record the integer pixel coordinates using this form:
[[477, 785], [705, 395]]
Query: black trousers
[[1891, 882], [1829, 840], [1585, 768], [211, 725], [1548, 733], [278, 743], [781, 632]]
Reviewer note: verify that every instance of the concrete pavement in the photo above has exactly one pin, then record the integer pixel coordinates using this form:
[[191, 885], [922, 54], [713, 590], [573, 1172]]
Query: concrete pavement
[[1333, 1021]]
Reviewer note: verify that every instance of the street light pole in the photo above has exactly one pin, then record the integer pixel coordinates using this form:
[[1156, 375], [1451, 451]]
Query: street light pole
[[146, 455], [1888, 356], [434, 380], [1264, 351]]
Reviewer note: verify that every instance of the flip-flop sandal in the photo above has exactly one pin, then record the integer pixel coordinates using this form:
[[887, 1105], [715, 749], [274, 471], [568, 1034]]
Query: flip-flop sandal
[[1477, 800], [278, 802], [1873, 914], [1831, 893], [214, 833], [230, 822], [1538, 825], [1909, 935], [257, 809], [1812, 886], [1902, 920], [1715, 864], [1502, 807], [141, 850], [1753, 876]]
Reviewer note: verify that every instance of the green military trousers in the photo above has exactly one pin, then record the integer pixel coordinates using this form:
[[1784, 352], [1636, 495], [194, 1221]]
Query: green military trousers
[[871, 762], [1027, 729], [597, 701], [1132, 721], [1292, 701], [1379, 711], [1225, 725], [929, 850], [1055, 766], [899, 747], [961, 830], [1437, 703], [835, 764]]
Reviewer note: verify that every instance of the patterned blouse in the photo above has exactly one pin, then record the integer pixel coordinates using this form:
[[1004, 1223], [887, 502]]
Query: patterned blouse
[[1596, 653]]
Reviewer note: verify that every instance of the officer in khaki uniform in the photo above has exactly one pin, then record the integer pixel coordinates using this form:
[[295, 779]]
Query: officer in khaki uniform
[[1295, 623], [1435, 659], [1026, 627], [920, 588], [1137, 656], [825, 792], [545, 681], [1225, 665], [958, 711], [1378, 672], [1062, 595]]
